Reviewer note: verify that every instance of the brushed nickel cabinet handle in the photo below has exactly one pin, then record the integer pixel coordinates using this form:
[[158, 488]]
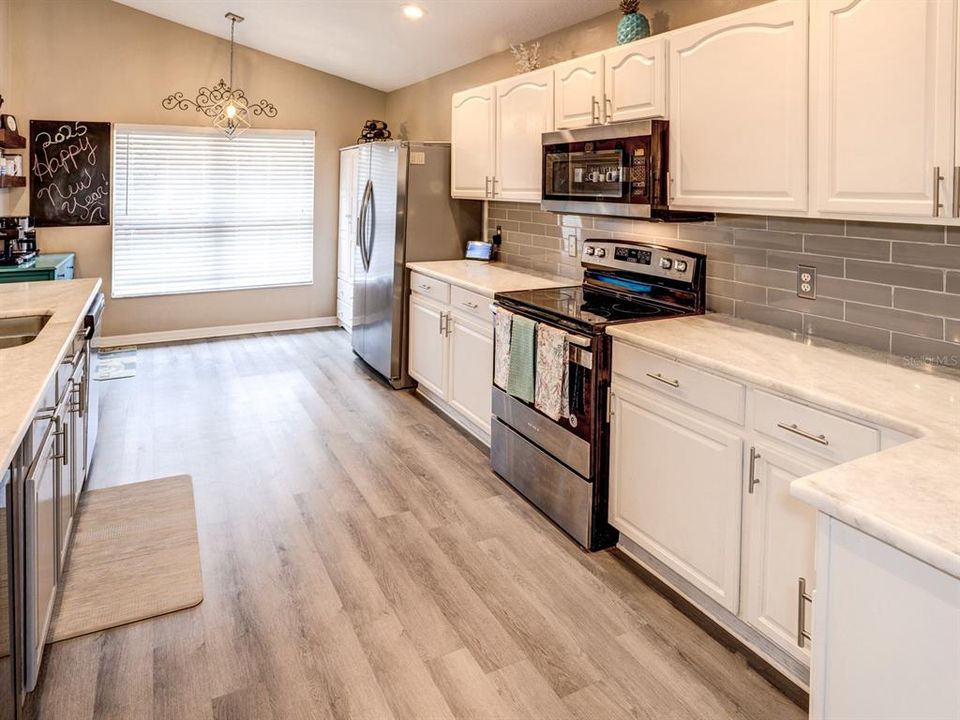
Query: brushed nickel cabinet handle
[[486, 186], [441, 322], [821, 439], [660, 378], [937, 205], [446, 326], [594, 110], [493, 186], [607, 109], [802, 597], [471, 305], [752, 477], [956, 191], [424, 286]]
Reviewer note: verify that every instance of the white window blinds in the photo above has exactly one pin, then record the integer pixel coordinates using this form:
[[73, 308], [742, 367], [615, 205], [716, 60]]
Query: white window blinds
[[196, 212]]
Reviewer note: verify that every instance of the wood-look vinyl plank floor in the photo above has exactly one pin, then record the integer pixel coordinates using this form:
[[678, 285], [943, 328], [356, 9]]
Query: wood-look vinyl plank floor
[[360, 561]]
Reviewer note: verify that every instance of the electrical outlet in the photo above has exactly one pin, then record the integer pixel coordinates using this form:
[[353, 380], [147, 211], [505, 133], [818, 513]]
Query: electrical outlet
[[572, 245], [807, 282]]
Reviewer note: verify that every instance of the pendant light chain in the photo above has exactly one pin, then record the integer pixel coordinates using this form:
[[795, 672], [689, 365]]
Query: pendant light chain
[[233, 25]]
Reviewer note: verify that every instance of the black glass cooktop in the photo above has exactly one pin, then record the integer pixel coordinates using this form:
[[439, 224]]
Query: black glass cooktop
[[583, 306]]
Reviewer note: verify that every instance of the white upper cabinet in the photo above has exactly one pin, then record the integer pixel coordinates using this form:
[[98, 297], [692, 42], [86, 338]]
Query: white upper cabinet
[[882, 105], [524, 111], [473, 132], [579, 92], [738, 108], [635, 81]]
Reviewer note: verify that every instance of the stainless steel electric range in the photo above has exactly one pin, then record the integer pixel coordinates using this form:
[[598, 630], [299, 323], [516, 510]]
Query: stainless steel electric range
[[562, 466]]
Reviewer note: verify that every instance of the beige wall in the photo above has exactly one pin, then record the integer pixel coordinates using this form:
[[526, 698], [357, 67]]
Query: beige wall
[[5, 81], [422, 110], [101, 61]]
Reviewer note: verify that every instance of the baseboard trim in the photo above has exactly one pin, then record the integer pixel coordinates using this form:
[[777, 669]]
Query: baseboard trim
[[216, 331]]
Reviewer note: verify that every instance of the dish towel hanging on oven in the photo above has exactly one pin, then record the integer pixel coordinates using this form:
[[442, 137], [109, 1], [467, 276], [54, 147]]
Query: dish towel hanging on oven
[[501, 344], [553, 388], [522, 354]]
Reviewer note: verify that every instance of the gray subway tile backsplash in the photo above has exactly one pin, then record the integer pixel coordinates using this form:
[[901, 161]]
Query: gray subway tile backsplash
[[895, 320], [895, 274], [847, 247], [940, 256], [887, 286]]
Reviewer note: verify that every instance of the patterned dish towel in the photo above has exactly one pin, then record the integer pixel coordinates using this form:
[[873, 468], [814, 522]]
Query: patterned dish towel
[[501, 345], [552, 394], [522, 354]]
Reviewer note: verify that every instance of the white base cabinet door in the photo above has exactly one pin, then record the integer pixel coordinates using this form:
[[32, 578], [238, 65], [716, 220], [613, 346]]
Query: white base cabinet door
[[675, 490], [427, 356], [882, 108], [524, 111], [636, 81], [886, 629], [738, 109], [471, 369], [578, 88], [473, 133], [779, 541]]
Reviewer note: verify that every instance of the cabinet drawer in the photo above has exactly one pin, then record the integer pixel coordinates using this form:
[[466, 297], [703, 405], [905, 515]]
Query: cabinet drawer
[[423, 285], [470, 303], [700, 389], [813, 430]]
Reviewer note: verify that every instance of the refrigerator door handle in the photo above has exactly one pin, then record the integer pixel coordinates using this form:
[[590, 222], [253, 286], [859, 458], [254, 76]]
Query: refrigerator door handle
[[373, 225], [362, 226]]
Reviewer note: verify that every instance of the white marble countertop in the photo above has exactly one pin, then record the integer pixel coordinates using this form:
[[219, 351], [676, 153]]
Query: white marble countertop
[[26, 370], [908, 495], [487, 278]]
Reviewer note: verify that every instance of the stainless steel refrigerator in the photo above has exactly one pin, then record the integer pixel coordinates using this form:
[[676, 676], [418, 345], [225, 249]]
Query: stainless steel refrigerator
[[406, 215]]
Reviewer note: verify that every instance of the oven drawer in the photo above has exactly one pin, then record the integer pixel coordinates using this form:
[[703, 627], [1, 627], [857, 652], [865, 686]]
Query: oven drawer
[[431, 287], [565, 497], [470, 303], [815, 431], [700, 389]]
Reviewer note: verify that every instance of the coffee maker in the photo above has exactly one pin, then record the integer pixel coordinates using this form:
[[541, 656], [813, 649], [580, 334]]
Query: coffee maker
[[19, 240]]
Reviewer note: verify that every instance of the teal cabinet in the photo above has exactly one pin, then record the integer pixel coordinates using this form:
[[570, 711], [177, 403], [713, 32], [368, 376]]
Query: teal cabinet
[[53, 266]]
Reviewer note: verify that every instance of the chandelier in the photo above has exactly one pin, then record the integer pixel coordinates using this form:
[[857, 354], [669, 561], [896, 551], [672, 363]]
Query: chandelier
[[226, 105]]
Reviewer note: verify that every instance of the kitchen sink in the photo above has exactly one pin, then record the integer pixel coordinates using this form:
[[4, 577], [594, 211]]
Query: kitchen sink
[[15, 331]]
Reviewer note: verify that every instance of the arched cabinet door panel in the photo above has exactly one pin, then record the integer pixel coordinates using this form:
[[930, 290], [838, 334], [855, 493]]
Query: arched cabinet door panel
[[738, 109], [882, 106], [524, 110], [473, 132], [636, 81]]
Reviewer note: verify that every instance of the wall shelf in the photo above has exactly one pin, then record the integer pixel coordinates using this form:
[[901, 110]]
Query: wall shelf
[[12, 181], [12, 141]]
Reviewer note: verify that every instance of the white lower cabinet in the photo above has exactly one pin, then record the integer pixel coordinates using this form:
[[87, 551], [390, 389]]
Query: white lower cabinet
[[427, 351], [778, 547], [675, 490], [471, 368], [450, 351], [886, 630], [684, 474]]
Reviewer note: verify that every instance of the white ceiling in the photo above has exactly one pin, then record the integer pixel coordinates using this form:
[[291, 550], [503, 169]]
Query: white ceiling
[[370, 41]]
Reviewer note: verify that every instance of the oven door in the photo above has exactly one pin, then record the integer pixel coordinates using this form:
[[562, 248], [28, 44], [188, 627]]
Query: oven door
[[570, 439]]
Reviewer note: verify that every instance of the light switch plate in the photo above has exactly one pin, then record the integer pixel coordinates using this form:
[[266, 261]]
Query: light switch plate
[[807, 282]]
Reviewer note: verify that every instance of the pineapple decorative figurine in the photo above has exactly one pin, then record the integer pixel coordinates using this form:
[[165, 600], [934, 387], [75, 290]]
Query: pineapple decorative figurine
[[633, 25]]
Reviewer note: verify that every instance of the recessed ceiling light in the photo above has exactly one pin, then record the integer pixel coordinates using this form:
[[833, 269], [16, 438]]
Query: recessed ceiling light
[[413, 12]]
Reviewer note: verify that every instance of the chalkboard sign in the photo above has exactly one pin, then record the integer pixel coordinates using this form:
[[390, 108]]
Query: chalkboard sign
[[69, 172]]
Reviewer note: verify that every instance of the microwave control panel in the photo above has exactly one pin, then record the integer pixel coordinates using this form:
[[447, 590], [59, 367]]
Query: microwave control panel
[[640, 170]]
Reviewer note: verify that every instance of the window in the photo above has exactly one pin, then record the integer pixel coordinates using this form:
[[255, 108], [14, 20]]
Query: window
[[196, 212]]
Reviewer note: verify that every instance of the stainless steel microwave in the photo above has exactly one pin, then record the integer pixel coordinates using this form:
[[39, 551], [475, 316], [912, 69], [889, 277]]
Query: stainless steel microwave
[[619, 170]]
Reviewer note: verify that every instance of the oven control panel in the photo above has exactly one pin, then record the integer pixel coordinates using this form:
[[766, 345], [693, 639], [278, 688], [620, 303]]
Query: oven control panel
[[641, 259]]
